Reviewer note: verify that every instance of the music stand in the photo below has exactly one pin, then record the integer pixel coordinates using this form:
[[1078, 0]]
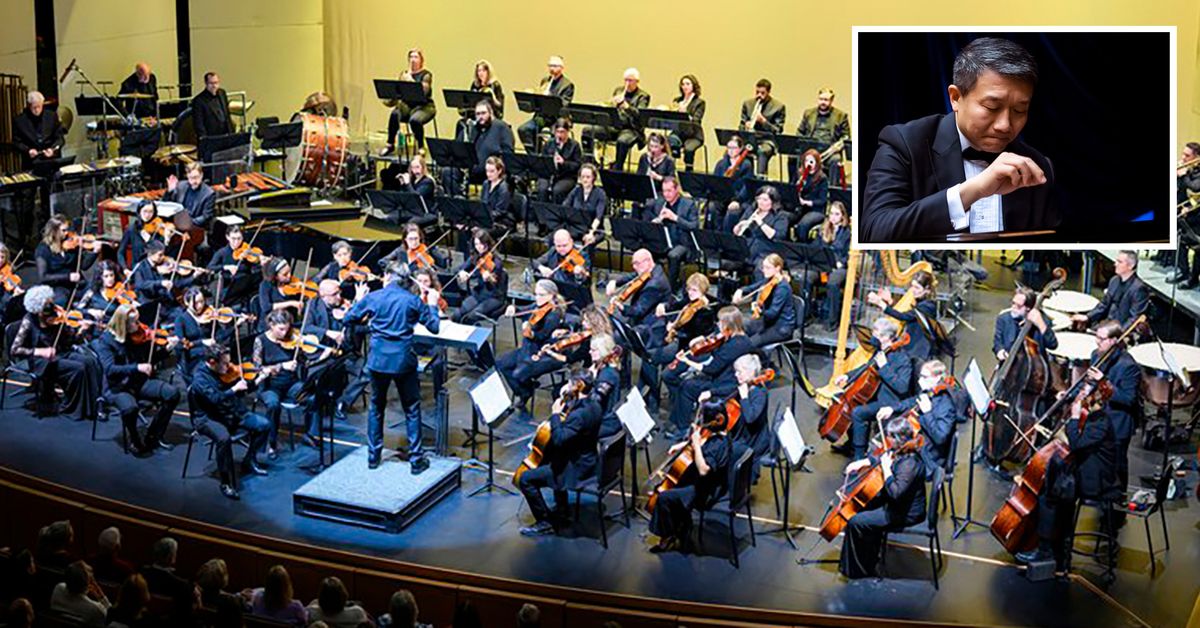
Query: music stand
[[325, 388], [797, 144], [722, 245], [463, 98], [462, 211], [281, 136], [451, 153], [707, 186], [639, 234], [410, 93], [626, 186], [669, 120], [638, 424], [981, 400], [543, 106], [491, 401], [528, 165], [554, 216], [598, 116], [816, 257], [398, 207], [795, 454], [170, 109]]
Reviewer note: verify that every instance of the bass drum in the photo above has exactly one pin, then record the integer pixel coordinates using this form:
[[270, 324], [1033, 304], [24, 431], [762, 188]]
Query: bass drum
[[320, 158]]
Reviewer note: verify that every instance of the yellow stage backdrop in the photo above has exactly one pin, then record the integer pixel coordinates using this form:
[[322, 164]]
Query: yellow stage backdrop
[[800, 46]]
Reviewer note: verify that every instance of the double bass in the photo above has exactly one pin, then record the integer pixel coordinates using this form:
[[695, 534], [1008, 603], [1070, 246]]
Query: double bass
[[1015, 524], [858, 392], [1018, 385]]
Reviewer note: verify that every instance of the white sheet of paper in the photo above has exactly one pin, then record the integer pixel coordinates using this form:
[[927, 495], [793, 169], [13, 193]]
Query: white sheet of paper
[[491, 397], [1176, 369], [634, 417], [977, 388], [985, 215], [790, 437], [321, 203], [447, 330]]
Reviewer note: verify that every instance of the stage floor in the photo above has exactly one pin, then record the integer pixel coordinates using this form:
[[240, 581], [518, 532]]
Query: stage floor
[[979, 584]]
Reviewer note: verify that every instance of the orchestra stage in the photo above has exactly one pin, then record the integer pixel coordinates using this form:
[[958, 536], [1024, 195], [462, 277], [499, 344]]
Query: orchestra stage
[[978, 585]]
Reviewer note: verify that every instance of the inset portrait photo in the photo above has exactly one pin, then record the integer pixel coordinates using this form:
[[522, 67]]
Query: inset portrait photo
[[1042, 138]]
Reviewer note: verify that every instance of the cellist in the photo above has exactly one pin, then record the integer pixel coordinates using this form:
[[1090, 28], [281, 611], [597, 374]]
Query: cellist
[[901, 502], [570, 455], [895, 375], [935, 410], [671, 520]]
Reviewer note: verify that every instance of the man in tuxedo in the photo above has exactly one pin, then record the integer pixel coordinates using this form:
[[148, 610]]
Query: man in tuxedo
[[966, 171]]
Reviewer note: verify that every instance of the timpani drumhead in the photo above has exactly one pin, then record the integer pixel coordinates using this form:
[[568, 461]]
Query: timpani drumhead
[[1071, 302], [1074, 346]]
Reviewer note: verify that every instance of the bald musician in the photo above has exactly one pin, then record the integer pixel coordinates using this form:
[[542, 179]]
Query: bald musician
[[141, 82]]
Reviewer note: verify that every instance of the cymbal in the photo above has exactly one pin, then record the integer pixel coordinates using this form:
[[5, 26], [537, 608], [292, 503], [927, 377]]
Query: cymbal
[[134, 95], [176, 153]]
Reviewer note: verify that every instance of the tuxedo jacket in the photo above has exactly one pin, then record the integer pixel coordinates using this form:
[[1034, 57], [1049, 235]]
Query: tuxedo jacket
[[917, 161]]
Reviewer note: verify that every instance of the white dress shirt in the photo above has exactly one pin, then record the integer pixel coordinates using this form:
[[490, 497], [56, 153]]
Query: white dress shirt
[[987, 213]]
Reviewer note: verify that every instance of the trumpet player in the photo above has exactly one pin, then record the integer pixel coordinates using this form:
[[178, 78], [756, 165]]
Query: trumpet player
[[763, 113], [629, 99], [1187, 185]]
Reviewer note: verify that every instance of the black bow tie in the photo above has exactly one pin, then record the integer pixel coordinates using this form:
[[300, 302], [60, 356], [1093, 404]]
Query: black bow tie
[[973, 154]]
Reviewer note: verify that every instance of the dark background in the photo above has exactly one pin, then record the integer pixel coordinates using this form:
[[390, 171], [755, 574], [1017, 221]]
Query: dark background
[[1100, 113]]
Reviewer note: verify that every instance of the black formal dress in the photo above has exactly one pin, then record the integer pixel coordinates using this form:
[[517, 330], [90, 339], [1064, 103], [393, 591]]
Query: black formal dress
[[900, 504], [556, 189], [672, 516], [74, 367]]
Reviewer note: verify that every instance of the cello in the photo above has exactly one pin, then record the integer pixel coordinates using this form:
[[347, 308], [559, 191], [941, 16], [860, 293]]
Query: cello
[[1015, 523], [541, 438], [1018, 385], [858, 392], [857, 493]]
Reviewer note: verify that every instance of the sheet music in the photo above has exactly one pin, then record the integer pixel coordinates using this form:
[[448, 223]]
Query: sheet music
[[491, 397], [977, 388], [1173, 365], [447, 330], [790, 437], [634, 417]]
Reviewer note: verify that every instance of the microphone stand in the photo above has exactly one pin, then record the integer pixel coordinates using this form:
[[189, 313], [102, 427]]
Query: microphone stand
[[102, 143]]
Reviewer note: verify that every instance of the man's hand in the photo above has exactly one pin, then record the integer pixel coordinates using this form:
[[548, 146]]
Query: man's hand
[[704, 396], [145, 369], [1009, 172], [1079, 318], [74, 277], [1094, 374], [240, 385], [856, 465], [1001, 355], [33, 153], [884, 413], [45, 353], [172, 183], [881, 358], [924, 403], [545, 271], [611, 288]]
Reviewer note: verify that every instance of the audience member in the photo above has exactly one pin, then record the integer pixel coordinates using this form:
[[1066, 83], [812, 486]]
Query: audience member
[[79, 597], [20, 614], [133, 598], [529, 616], [333, 606], [54, 546], [276, 601], [107, 564], [402, 612]]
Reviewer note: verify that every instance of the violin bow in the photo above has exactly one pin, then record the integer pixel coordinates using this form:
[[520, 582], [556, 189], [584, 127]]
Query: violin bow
[[304, 304], [154, 334], [490, 251], [364, 255]]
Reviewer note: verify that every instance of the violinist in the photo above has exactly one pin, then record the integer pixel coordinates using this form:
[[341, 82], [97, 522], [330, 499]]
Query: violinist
[[774, 316], [11, 307], [484, 279], [679, 216], [813, 189], [671, 520], [57, 357], [590, 199], [327, 321], [427, 287], [106, 293], [762, 224], [569, 459], [518, 367], [60, 259], [414, 253], [564, 263], [196, 197], [238, 273], [567, 157], [738, 167], [132, 248], [656, 162], [279, 371], [894, 365], [197, 329], [753, 428], [219, 412], [901, 502], [417, 181], [920, 323], [713, 372], [277, 273], [635, 296], [676, 323], [936, 412], [343, 259], [129, 373], [154, 280], [1009, 322], [572, 347], [1125, 406]]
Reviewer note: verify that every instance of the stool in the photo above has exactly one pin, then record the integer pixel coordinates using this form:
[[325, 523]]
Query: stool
[[289, 407], [1105, 534]]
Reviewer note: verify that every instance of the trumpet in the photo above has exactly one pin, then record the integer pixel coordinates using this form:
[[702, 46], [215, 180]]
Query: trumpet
[[1188, 165]]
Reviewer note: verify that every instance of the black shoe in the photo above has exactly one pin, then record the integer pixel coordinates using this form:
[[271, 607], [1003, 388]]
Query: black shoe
[[142, 451], [387, 151], [230, 492], [250, 468], [419, 465], [308, 441], [1033, 556], [541, 528], [665, 544], [844, 449], [373, 462]]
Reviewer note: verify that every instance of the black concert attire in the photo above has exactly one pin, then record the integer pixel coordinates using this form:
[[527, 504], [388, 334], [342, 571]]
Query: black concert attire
[[485, 298], [570, 459], [94, 299], [132, 248], [816, 189], [826, 128], [38, 133], [579, 289], [778, 320], [321, 320], [467, 116], [775, 113], [1186, 186], [400, 254], [565, 174], [1008, 328], [901, 503], [519, 368], [753, 430], [200, 202], [268, 295], [561, 87], [211, 114], [837, 276], [760, 243], [660, 353], [74, 366], [594, 203], [391, 314], [1124, 409], [606, 390], [489, 140], [628, 129], [896, 380], [147, 283], [426, 188], [743, 189], [672, 516], [678, 230], [716, 376], [914, 172], [416, 117], [219, 412], [688, 140], [664, 167], [639, 311], [499, 200], [1123, 301], [192, 337], [280, 387], [140, 107], [239, 286], [127, 385], [937, 426], [54, 269], [919, 325]]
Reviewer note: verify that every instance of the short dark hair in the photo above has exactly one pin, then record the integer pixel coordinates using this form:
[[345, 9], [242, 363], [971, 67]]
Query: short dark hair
[[764, 83], [562, 123], [1001, 56], [76, 578], [332, 597], [213, 353], [155, 246], [208, 75], [1194, 147]]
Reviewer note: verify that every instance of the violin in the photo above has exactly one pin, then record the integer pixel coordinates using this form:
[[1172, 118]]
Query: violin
[[913, 414], [143, 334], [74, 241], [854, 496], [249, 254], [764, 295], [161, 228], [74, 319], [183, 268], [234, 372], [222, 315], [858, 392], [562, 344], [120, 294], [9, 279], [535, 317], [420, 256], [541, 437], [358, 273], [572, 262], [308, 343], [685, 316], [733, 407], [628, 292], [707, 345], [303, 289]]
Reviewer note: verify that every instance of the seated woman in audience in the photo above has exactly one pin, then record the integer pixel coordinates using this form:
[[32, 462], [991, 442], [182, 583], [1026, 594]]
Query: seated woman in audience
[[402, 612], [212, 578], [132, 599], [333, 606], [275, 600]]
